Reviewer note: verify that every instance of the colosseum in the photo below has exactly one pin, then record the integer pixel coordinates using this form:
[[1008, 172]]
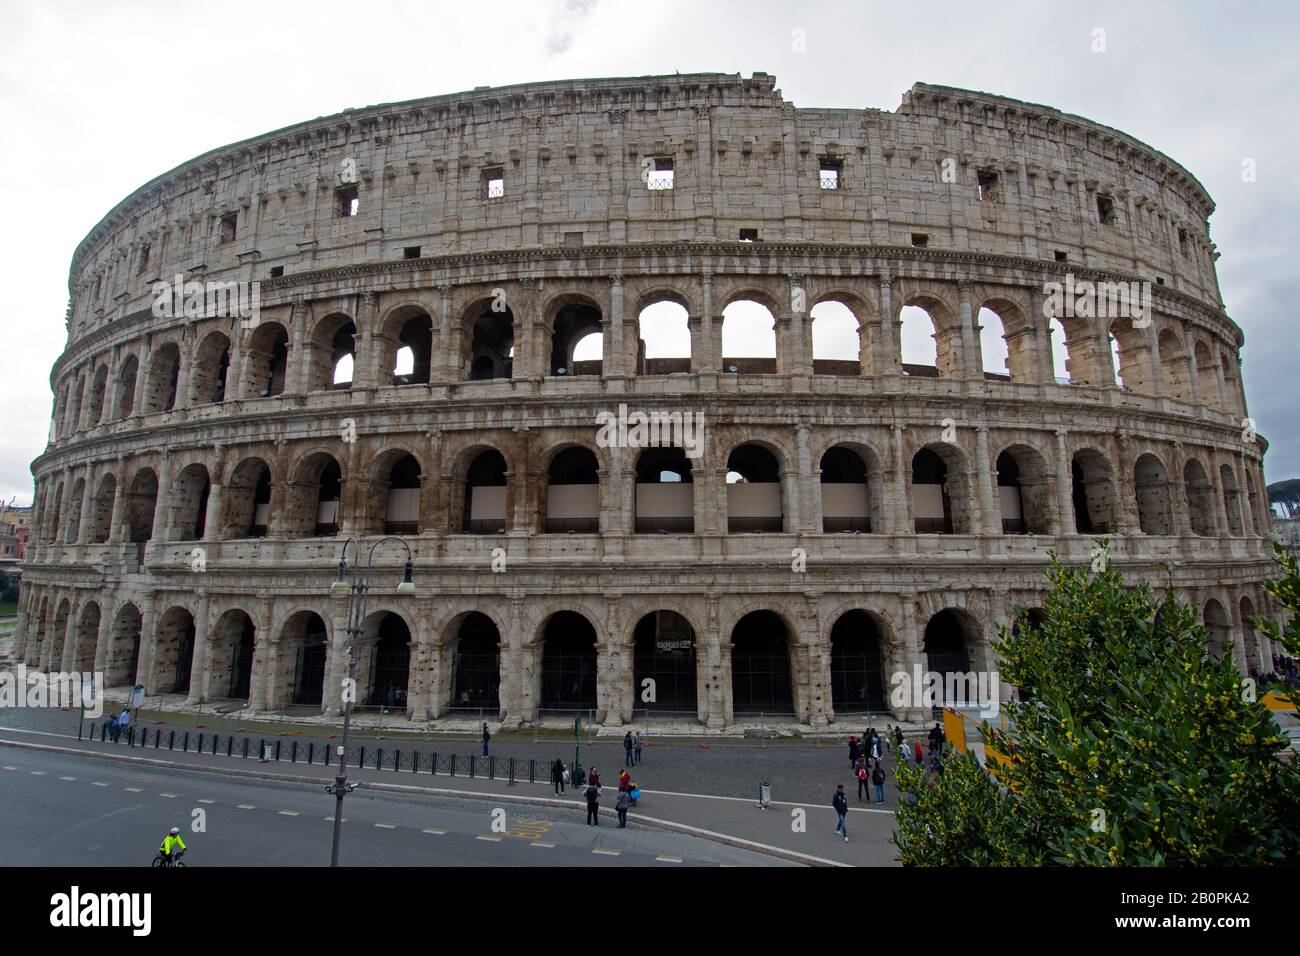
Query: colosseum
[[431, 307]]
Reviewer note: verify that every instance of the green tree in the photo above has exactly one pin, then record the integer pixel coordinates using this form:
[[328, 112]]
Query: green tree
[[1286, 592], [1130, 746]]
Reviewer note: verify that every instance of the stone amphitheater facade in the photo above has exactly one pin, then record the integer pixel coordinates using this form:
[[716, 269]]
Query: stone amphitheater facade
[[204, 470]]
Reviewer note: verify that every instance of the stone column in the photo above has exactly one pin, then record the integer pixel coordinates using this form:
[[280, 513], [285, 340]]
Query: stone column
[[336, 657], [87, 496], [148, 644], [1064, 485], [104, 638], [896, 505], [1178, 503], [449, 340], [806, 486], [971, 359], [615, 357], [298, 362], [886, 359], [990, 516], [199, 662], [162, 516], [141, 378]]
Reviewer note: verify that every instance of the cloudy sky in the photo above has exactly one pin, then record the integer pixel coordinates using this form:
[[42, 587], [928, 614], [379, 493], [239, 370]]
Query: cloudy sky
[[99, 97]]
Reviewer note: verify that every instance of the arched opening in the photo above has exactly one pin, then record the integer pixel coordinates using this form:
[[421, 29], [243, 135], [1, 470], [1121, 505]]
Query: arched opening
[[231, 647], [1218, 629], [573, 493], [1023, 492], [1175, 367], [850, 490], [950, 636], [476, 666], [663, 665], [568, 663], [56, 514], [190, 502], [87, 637], [160, 386], [403, 512], [857, 665], [1200, 498], [749, 340], [123, 657], [124, 399], [98, 389], [314, 498], [994, 354], [58, 637], [918, 343], [384, 660], [414, 347], [491, 342], [211, 366], [1060, 352], [485, 494], [101, 509], [753, 490], [1152, 487], [141, 503], [665, 494], [836, 339], [300, 662], [267, 361], [74, 410], [939, 498], [1130, 357], [760, 666], [333, 354], [36, 646], [1037, 619], [174, 652], [1093, 493], [248, 500], [1231, 501], [663, 338], [577, 342]]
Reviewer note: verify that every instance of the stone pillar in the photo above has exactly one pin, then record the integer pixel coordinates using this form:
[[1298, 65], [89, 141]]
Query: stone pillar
[[104, 638], [886, 359], [1243, 498], [806, 486], [87, 496], [199, 662], [796, 352], [1178, 503], [298, 363], [710, 500], [1220, 502], [616, 357], [971, 360], [368, 370], [1064, 485], [449, 340], [266, 650], [336, 657], [141, 378], [990, 516], [148, 644], [162, 515], [897, 507]]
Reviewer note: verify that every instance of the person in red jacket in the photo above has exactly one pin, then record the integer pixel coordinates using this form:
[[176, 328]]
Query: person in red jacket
[[917, 753], [593, 778], [624, 781]]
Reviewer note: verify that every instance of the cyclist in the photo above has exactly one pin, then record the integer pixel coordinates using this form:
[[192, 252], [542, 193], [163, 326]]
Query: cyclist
[[170, 843]]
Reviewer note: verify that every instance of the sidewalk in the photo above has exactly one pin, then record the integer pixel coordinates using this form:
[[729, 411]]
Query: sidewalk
[[729, 820]]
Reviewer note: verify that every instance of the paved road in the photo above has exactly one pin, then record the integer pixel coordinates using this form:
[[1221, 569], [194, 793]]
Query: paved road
[[68, 810]]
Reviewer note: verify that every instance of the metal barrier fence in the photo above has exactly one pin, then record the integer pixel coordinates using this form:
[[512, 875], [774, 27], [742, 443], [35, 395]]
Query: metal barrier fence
[[361, 757]]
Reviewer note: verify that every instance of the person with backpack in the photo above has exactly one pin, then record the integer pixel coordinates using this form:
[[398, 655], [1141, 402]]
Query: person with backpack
[[592, 793], [621, 807], [863, 776], [841, 805], [627, 747], [878, 778]]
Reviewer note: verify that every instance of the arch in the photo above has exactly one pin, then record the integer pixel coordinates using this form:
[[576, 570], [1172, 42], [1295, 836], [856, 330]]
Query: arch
[[86, 638], [995, 353], [761, 672], [754, 499], [1152, 488], [665, 492], [1007, 344], [101, 509], [160, 384], [940, 490], [568, 672], [1175, 366], [122, 657], [1200, 497], [98, 390], [920, 352], [232, 644], [124, 387], [1218, 629], [141, 504], [1024, 493], [1231, 500], [384, 661], [483, 504], [750, 340], [266, 361], [1130, 355], [190, 493], [1093, 493], [851, 487], [333, 353], [475, 665], [663, 335], [837, 339], [572, 492], [303, 650], [247, 494], [489, 338], [857, 664], [210, 370], [1058, 342], [664, 654], [314, 497], [173, 657], [950, 641], [58, 636], [575, 320]]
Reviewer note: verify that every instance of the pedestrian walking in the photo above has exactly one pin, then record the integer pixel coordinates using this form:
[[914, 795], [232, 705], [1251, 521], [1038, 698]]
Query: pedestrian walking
[[841, 804], [627, 749], [878, 778], [863, 777], [557, 775], [621, 806], [124, 724], [636, 749], [113, 728], [624, 781], [486, 737], [853, 751], [936, 736], [593, 805], [875, 743], [936, 765], [898, 739], [920, 759]]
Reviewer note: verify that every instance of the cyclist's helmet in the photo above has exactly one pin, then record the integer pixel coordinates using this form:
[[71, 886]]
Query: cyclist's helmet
[[175, 831]]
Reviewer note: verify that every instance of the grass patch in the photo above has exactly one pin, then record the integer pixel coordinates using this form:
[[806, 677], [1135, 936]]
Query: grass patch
[[8, 608]]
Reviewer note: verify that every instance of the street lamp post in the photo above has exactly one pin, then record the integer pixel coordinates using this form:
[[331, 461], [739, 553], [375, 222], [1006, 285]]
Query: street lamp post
[[357, 587]]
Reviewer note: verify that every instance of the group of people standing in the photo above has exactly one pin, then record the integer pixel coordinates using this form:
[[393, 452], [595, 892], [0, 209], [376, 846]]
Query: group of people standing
[[116, 726], [627, 796], [866, 757]]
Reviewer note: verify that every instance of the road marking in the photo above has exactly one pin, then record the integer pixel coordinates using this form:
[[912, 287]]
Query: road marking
[[604, 852], [133, 790], [11, 768], [386, 826], [669, 859], [246, 806], [547, 846], [98, 784], [331, 819], [287, 813], [490, 839], [436, 832], [37, 773], [169, 796], [67, 778], [207, 801]]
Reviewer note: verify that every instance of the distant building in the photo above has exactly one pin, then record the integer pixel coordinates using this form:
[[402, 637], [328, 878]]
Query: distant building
[[15, 528]]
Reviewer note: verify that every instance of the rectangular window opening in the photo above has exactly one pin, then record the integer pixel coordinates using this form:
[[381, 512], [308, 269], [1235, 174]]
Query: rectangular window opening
[[831, 173], [1182, 242], [411, 252], [920, 239], [573, 238], [228, 226], [277, 271], [494, 183], [988, 183], [662, 175], [348, 201], [749, 235], [1062, 256], [1105, 210], [144, 260]]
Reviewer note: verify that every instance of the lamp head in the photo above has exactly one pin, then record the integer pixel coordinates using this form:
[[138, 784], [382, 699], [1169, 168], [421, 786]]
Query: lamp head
[[407, 586]]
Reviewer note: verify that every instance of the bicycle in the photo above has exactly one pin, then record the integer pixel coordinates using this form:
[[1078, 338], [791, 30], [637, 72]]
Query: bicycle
[[161, 860]]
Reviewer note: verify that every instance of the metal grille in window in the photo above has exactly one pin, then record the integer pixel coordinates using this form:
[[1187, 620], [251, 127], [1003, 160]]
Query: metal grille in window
[[661, 177], [494, 183]]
